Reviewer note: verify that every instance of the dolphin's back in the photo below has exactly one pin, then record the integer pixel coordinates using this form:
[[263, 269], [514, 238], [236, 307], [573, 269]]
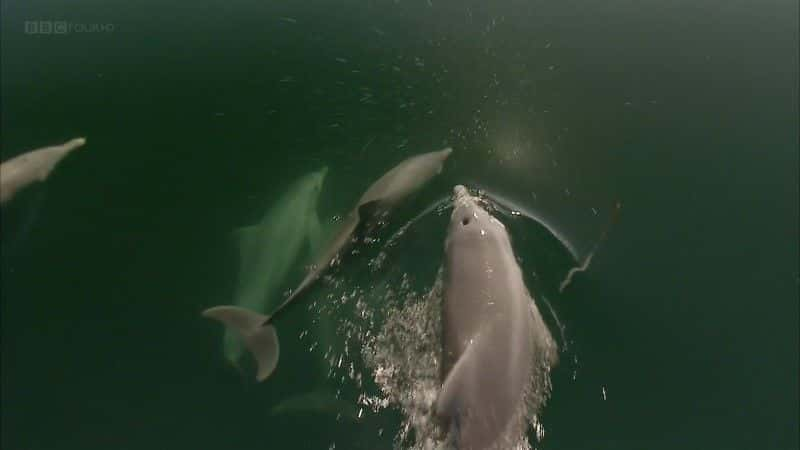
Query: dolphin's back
[[405, 178], [487, 344], [269, 249], [490, 332]]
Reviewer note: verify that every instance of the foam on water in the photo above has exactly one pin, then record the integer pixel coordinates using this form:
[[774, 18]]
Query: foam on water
[[404, 361]]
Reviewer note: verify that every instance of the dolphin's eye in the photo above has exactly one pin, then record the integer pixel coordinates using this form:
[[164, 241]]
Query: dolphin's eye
[[465, 221]]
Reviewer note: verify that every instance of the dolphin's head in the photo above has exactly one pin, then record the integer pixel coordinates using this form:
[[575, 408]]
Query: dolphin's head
[[467, 209], [315, 180], [440, 157], [319, 177], [419, 170], [469, 219], [405, 178], [444, 154], [309, 188]]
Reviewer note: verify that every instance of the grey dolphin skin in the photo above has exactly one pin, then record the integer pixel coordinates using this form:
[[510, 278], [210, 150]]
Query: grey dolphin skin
[[258, 334], [491, 332], [35, 165]]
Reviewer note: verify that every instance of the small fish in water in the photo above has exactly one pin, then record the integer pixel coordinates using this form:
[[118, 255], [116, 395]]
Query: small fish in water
[[19, 172], [256, 329]]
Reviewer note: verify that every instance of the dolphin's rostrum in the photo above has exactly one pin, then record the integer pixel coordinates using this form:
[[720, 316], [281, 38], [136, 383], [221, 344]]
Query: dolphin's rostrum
[[258, 334]]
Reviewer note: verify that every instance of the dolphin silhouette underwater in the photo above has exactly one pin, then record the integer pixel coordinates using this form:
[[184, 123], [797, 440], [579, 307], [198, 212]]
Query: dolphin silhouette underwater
[[270, 248], [23, 170], [257, 332], [492, 333]]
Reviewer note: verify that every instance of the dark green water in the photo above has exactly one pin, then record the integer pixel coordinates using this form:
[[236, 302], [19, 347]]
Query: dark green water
[[197, 114]]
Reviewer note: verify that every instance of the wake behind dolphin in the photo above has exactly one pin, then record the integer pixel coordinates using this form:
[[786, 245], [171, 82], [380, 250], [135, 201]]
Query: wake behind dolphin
[[256, 330]]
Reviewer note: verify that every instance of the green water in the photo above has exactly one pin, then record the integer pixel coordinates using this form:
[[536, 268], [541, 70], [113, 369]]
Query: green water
[[198, 114]]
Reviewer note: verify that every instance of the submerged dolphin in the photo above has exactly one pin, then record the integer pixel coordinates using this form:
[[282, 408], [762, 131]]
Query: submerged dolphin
[[391, 188], [35, 165], [320, 402], [258, 334], [269, 249], [492, 332]]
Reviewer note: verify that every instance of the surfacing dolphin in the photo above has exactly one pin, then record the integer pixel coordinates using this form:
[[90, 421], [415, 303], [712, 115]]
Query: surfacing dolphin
[[258, 334], [19, 172], [493, 334], [270, 248]]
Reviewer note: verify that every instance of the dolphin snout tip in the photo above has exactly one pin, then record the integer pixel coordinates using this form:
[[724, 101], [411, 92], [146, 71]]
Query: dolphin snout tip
[[77, 142], [460, 191]]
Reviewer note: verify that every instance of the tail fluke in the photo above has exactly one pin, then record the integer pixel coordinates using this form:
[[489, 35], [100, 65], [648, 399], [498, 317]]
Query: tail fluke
[[259, 337]]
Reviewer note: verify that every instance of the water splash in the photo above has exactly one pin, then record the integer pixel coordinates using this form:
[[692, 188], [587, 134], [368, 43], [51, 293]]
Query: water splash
[[404, 359]]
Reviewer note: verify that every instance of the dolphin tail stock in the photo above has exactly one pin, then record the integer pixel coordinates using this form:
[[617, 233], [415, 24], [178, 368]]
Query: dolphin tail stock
[[258, 335]]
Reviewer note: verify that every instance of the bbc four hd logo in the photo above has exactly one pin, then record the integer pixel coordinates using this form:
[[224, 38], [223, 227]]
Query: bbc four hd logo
[[46, 27], [64, 27]]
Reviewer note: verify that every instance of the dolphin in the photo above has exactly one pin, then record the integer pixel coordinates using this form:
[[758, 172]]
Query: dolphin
[[395, 185], [321, 402], [270, 248], [258, 334], [492, 332], [20, 171]]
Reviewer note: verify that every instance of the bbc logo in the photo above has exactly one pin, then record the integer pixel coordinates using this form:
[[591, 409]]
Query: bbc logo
[[46, 27], [64, 27]]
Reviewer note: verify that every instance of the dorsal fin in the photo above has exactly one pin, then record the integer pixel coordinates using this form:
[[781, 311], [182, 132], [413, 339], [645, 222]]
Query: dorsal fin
[[368, 210]]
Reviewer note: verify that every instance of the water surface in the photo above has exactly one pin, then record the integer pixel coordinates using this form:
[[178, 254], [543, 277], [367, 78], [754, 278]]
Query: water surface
[[683, 333]]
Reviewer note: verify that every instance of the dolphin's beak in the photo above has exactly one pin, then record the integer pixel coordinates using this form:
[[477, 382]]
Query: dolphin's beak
[[460, 192], [461, 198]]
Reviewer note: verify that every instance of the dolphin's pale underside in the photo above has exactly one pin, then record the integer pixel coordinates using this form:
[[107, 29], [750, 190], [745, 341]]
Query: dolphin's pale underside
[[493, 335], [258, 334]]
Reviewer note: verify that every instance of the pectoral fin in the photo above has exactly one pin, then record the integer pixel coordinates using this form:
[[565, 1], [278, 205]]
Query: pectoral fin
[[368, 210], [449, 403]]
